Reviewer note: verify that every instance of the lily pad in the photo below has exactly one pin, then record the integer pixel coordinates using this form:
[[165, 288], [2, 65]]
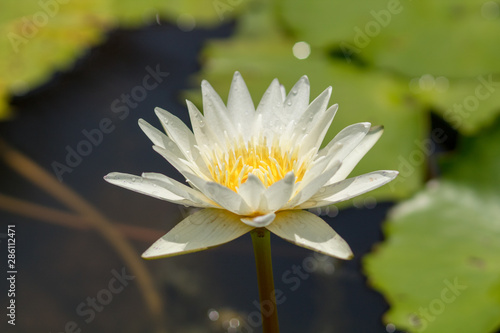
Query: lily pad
[[44, 37], [411, 37], [439, 268], [187, 14], [468, 105]]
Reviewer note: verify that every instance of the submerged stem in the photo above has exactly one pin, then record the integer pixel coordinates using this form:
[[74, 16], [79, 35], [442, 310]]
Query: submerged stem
[[261, 240]]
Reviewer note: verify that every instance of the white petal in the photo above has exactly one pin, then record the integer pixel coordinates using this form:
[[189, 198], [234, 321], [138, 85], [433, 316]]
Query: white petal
[[345, 141], [240, 106], [252, 191], [308, 230], [270, 115], [298, 98], [316, 131], [202, 133], [178, 161], [145, 186], [349, 188], [225, 197], [202, 230], [351, 160], [177, 131], [301, 124], [313, 186], [278, 194], [259, 221], [180, 189], [216, 114], [156, 136]]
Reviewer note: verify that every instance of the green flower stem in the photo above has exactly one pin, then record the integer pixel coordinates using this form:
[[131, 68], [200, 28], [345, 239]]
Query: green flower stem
[[261, 240]]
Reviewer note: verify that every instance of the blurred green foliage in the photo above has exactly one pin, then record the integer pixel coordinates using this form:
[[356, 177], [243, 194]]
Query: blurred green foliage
[[447, 234], [389, 62], [39, 38]]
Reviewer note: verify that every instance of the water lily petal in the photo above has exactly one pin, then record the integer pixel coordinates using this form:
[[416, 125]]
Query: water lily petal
[[349, 188], [308, 230], [148, 187], [200, 231], [313, 186], [278, 194], [259, 221], [177, 131], [298, 98], [316, 131], [270, 115], [180, 189], [240, 106], [156, 136], [216, 114], [351, 160], [205, 138], [345, 141], [182, 165], [251, 191], [222, 195]]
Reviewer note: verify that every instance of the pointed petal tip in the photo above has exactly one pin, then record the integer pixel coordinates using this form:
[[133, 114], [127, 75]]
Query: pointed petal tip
[[111, 176], [290, 177], [377, 128]]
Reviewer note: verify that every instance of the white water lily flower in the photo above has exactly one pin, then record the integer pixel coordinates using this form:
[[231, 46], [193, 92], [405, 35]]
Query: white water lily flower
[[256, 168]]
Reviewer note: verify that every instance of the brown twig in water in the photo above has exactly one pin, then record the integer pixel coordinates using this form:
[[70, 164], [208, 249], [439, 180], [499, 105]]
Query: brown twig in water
[[38, 176]]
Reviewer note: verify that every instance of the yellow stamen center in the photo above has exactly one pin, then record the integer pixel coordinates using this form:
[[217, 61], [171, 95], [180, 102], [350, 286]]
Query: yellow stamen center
[[270, 164]]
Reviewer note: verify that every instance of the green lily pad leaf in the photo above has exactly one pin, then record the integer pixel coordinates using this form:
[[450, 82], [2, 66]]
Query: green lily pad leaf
[[439, 268], [412, 37], [468, 104], [187, 14], [326, 23], [363, 95], [43, 37]]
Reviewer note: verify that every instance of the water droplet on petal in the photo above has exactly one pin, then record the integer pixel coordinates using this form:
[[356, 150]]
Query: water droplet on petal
[[294, 91], [289, 103], [133, 180], [322, 190]]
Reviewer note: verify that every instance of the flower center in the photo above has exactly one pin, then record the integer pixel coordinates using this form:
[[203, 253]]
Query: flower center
[[232, 166]]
